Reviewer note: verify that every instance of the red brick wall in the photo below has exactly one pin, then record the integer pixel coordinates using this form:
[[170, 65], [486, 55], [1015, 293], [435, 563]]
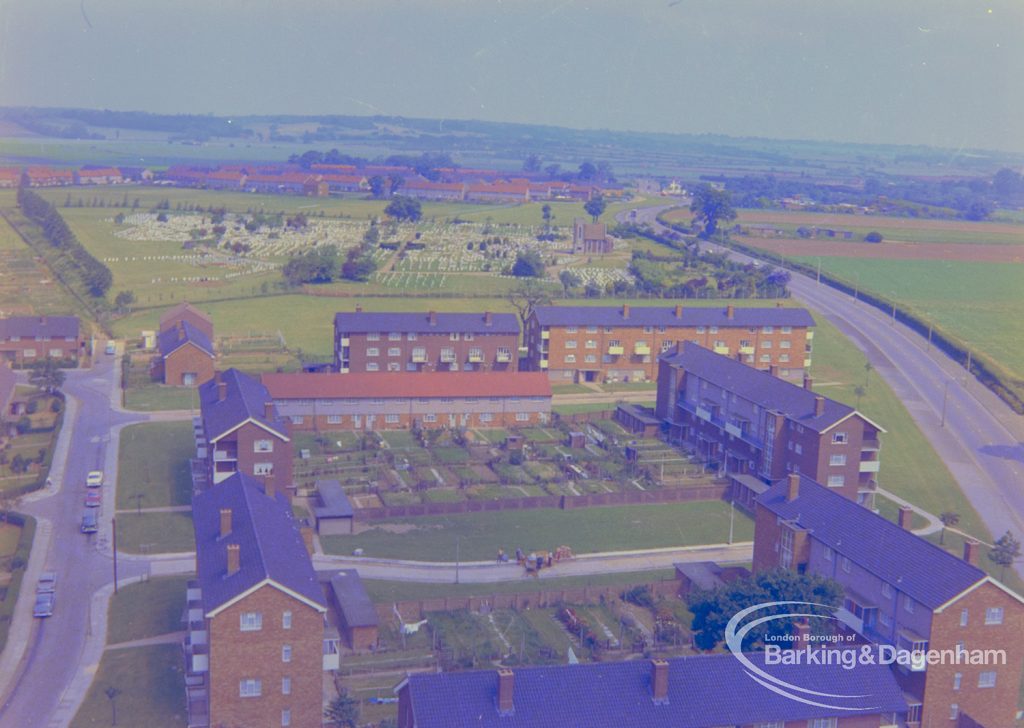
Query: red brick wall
[[405, 422], [994, 706], [281, 457], [14, 350], [433, 343], [766, 537], [237, 655], [362, 639], [189, 358]]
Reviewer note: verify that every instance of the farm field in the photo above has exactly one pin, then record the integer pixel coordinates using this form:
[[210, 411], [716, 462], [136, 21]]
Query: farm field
[[480, 535]]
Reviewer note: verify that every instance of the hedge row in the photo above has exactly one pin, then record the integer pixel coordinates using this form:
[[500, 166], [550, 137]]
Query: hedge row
[[19, 562]]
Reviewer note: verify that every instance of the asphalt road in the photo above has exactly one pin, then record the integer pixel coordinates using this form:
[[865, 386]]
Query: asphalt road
[[83, 563], [975, 433]]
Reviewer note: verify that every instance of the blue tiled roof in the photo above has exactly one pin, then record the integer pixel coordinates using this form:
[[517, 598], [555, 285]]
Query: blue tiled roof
[[918, 568], [365, 322], [356, 605], [335, 503], [703, 692], [661, 316], [29, 327], [270, 543], [758, 386], [245, 398], [169, 340]]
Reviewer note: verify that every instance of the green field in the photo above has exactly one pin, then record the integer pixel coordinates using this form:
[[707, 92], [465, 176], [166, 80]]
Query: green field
[[150, 689], [979, 303], [146, 609], [153, 463], [155, 533], [480, 535]]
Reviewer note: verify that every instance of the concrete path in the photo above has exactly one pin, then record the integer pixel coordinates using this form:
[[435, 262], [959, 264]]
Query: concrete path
[[934, 522], [157, 509], [171, 638]]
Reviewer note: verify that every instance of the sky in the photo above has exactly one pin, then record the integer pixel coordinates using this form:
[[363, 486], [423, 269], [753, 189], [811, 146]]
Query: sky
[[933, 72]]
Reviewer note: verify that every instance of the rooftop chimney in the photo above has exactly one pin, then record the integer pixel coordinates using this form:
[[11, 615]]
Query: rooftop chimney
[[679, 310], [359, 308], [225, 522], [819, 406], [778, 304], [222, 391], [971, 549], [773, 369], [269, 487], [42, 321], [181, 331], [808, 383], [432, 318], [268, 410], [506, 682], [488, 318], [625, 310], [906, 519], [729, 311], [803, 635], [234, 559], [659, 682], [794, 487]]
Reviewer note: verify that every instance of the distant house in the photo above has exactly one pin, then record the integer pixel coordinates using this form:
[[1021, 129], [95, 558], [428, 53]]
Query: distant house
[[49, 177], [98, 176], [332, 511], [427, 190], [27, 339], [187, 312], [357, 616], [9, 177], [498, 192], [590, 238], [186, 356], [256, 649]]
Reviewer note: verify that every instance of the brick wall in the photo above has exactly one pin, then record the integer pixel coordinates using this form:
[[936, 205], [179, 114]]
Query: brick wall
[[188, 358]]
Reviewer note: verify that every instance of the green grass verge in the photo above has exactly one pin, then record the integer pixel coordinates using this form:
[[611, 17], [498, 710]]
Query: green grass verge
[[155, 533], [150, 685], [15, 562], [433, 538], [153, 397], [153, 463], [146, 609]]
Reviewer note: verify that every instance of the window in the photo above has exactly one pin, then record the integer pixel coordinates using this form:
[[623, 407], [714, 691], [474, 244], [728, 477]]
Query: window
[[956, 681], [394, 351], [263, 446], [286, 653], [263, 468], [719, 344], [773, 724], [249, 688], [785, 344], [250, 621], [372, 366], [766, 329], [701, 329], [333, 419], [766, 357], [373, 337], [286, 717], [391, 419], [571, 329], [798, 448], [908, 604], [411, 336], [784, 358], [884, 619], [590, 344], [987, 679], [648, 329], [590, 359], [430, 418], [954, 711], [823, 723], [486, 416], [786, 548], [448, 354], [394, 366], [839, 438], [713, 330], [394, 336], [591, 329], [828, 554], [299, 419], [607, 329], [963, 617], [522, 416], [373, 351], [766, 345], [286, 686], [468, 336], [665, 346], [845, 564], [570, 358], [886, 590], [994, 615], [836, 481], [787, 329], [286, 620], [453, 336]]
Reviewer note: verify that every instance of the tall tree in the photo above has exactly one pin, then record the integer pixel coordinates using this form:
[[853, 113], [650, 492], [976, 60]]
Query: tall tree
[[342, 712], [528, 264], [526, 296], [46, 375], [532, 163], [404, 208], [595, 207], [711, 207], [1004, 552], [949, 519]]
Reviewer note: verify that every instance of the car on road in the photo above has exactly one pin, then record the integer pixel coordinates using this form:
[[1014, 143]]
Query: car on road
[[93, 499], [111, 347], [94, 479], [44, 605], [90, 523], [47, 583]]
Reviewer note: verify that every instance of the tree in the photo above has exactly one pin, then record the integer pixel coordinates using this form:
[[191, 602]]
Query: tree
[[713, 609], [527, 296], [978, 209], [404, 208], [124, 300], [859, 391], [377, 185], [342, 712], [569, 279], [949, 519], [1005, 551], [587, 172], [528, 265], [711, 207], [595, 207], [873, 237], [547, 216], [46, 375], [359, 265], [532, 163], [319, 265]]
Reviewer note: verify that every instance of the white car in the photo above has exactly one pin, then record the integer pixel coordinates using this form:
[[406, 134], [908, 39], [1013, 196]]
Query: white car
[[94, 479]]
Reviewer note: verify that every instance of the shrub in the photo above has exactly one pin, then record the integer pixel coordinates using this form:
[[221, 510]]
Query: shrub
[[32, 407], [873, 237], [640, 596]]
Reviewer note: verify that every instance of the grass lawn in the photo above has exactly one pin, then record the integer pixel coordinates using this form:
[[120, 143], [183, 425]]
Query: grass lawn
[[154, 463], [147, 609], [382, 591], [9, 535], [630, 387], [151, 689], [155, 533], [433, 538], [570, 389], [576, 409], [159, 397]]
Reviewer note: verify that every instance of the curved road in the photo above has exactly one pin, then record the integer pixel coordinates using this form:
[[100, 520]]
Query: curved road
[[975, 433]]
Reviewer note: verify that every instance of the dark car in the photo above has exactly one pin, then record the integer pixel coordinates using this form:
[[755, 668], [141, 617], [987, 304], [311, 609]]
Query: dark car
[[93, 499], [47, 583], [44, 605]]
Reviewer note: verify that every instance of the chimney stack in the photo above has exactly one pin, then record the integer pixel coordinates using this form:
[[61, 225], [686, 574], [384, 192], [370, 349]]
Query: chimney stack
[[432, 318], [679, 310], [42, 321], [971, 549], [794, 487], [269, 487], [803, 635], [808, 383], [488, 318], [234, 559], [268, 410], [625, 310], [819, 405], [659, 682], [778, 304], [225, 522], [181, 331], [906, 519], [730, 311], [773, 369], [359, 308], [506, 682], [222, 391]]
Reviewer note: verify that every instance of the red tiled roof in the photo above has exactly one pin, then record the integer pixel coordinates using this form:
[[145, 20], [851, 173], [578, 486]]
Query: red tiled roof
[[44, 172], [334, 168], [354, 179], [500, 188], [402, 384], [100, 172], [10, 173], [230, 175], [419, 184]]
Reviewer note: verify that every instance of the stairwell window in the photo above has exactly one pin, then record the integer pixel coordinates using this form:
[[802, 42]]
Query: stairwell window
[[250, 688], [286, 653], [286, 620], [250, 621], [994, 615], [987, 679], [286, 717], [286, 686], [263, 446]]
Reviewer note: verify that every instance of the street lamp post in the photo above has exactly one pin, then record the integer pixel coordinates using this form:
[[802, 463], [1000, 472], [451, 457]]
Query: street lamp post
[[945, 397], [819, 271], [732, 519]]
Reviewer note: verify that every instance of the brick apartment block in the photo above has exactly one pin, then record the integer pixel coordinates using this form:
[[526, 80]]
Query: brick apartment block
[[425, 342], [606, 343], [255, 649], [904, 591], [315, 402], [242, 431], [757, 428], [27, 339]]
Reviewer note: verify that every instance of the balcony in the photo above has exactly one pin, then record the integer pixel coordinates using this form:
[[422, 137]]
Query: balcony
[[870, 446], [419, 356], [642, 350], [225, 456], [721, 350], [807, 363], [476, 357], [543, 363], [869, 466], [448, 358], [503, 356], [616, 350], [747, 350], [545, 334], [733, 430], [703, 414]]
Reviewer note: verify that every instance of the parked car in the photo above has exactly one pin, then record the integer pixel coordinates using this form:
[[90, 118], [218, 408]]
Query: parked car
[[44, 605], [90, 523], [94, 479], [111, 347], [93, 498], [47, 583]]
